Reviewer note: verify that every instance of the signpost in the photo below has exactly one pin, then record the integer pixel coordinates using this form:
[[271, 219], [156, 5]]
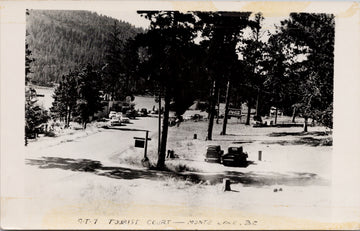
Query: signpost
[[141, 142]]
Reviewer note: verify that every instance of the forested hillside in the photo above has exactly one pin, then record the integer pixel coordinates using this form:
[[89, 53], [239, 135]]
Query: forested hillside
[[61, 41]]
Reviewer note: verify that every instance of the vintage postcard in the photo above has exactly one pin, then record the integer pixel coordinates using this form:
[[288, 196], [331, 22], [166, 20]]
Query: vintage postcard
[[180, 115]]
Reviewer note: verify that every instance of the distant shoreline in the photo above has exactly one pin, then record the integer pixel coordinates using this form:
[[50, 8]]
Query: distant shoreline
[[42, 87]]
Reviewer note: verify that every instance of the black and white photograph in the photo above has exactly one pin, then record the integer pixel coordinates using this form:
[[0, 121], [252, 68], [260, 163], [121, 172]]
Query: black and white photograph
[[180, 115]]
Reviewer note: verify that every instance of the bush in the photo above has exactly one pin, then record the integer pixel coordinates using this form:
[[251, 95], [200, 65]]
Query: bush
[[50, 134], [34, 117]]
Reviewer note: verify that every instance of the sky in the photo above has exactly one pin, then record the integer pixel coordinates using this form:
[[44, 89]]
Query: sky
[[135, 19], [128, 16]]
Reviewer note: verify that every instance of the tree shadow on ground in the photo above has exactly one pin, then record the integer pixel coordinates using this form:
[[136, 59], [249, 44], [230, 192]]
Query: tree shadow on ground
[[86, 165], [125, 129], [247, 178], [284, 125], [243, 142], [235, 141], [257, 179], [315, 133], [311, 141], [228, 137]]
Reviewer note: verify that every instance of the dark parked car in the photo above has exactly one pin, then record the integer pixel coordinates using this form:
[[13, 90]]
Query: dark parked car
[[234, 157], [214, 153], [131, 114], [143, 112]]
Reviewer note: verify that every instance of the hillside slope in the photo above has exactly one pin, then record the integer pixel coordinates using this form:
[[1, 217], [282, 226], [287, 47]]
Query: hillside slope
[[61, 41]]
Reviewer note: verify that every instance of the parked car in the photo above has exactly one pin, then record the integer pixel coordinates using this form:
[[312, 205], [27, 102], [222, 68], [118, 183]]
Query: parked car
[[143, 112], [125, 120], [273, 111], [112, 114], [234, 157], [214, 153], [187, 117], [197, 117], [131, 114], [115, 121]]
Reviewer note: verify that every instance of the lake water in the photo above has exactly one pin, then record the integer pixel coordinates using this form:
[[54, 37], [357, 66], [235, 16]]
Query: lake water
[[147, 102]]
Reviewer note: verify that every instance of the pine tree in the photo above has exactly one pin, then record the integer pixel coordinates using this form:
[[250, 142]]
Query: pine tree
[[221, 32], [65, 96], [88, 101], [170, 48], [253, 54], [34, 114], [311, 36], [114, 70]]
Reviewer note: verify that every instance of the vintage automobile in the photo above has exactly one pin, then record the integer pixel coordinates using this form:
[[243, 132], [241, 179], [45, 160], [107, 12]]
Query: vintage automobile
[[115, 121], [143, 112], [131, 114], [112, 114], [234, 157], [213, 154], [125, 120], [119, 114]]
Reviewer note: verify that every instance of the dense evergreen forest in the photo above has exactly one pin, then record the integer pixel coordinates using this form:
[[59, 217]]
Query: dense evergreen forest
[[61, 41]]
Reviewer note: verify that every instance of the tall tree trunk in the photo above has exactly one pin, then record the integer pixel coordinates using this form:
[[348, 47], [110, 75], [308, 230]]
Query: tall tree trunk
[[276, 112], [212, 112], [161, 157], [66, 117], [248, 113], [218, 108], [159, 128], [227, 100], [257, 102], [305, 124], [69, 117], [211, 99], [293, 115]]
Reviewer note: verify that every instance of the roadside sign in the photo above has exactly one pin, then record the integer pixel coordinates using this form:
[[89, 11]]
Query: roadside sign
[[234, 112], [139, 143]]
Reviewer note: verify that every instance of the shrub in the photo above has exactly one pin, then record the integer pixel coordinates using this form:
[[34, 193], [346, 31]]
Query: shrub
[[50, 134]]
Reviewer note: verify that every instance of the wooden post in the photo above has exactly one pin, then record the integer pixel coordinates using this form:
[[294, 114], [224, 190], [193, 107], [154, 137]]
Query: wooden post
[[260, 155], [226, 183], [305, 124], [145, 148]]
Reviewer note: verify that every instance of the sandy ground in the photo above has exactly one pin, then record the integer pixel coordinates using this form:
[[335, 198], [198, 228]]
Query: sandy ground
[[98, 174]]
